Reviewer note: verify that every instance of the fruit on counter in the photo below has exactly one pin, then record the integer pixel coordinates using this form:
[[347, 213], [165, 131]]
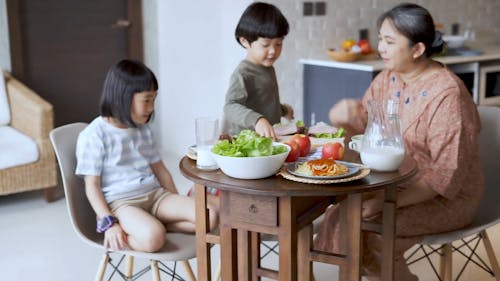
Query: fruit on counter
[[332, 150], [303, 142], [348, 44], [294, 153], [365, 47]]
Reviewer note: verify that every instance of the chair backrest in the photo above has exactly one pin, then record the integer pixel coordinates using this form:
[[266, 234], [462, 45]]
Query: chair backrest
[[489, 145], [81, 214]]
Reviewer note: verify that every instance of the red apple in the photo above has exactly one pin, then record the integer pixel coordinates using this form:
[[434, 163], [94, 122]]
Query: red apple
[[294, 151], [332, 150], [365, 46], [304, 143]]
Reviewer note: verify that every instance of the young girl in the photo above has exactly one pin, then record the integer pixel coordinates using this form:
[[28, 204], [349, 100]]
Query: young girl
[[127, 184], [252, 100]]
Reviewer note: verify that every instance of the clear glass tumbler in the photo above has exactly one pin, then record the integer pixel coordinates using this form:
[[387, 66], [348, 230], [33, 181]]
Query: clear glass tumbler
[[207, 133]]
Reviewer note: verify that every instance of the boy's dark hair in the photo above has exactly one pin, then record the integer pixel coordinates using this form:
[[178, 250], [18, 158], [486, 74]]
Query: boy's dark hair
[[123, 80], [261, 20]]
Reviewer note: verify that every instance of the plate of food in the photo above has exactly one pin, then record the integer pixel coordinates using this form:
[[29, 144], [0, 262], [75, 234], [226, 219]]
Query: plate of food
[[322, 169], [319, 134]]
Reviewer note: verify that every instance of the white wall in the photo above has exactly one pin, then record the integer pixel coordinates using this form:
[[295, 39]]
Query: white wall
[[4, 38], [150, 34], [197, 54]]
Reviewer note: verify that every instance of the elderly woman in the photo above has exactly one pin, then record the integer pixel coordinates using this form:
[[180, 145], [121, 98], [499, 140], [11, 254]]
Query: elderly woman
[[440, 125]]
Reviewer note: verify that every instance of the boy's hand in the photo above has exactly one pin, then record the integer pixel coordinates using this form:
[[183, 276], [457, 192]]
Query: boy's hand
[[115, 238], [264, 128], [289, 112]]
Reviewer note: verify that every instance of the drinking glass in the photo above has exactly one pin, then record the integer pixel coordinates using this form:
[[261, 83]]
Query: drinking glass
[[207, 133]]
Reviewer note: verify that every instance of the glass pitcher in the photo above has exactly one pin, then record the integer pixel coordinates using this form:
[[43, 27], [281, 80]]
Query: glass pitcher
[[382, 148]]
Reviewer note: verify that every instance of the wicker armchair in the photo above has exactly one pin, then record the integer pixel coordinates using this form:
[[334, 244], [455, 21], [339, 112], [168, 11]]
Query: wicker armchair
[[33, 116]]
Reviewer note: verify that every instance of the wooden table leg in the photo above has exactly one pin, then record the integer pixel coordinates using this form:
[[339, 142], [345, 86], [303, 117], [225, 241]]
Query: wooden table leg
[[228, 243], [304, 246], [244, 255], [203, 262], [287, 237], [388, 233], [352, 270]]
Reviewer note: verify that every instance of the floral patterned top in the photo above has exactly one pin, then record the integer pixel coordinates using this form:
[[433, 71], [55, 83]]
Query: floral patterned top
[[440, 125]]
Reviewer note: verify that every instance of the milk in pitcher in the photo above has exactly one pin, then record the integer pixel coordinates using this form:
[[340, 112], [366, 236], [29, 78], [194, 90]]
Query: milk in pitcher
[[383, 159]]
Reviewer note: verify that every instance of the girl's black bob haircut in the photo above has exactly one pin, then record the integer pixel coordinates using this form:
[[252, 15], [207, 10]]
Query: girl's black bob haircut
[[123, 80], [261, 20]]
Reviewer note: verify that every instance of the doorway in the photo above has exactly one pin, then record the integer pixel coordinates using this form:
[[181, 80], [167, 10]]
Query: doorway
[[62, 49]]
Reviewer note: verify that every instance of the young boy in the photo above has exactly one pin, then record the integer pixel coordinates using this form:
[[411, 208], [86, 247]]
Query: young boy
[[252, 100]]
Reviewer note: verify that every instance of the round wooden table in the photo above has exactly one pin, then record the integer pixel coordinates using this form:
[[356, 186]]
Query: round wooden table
[[286, 208]]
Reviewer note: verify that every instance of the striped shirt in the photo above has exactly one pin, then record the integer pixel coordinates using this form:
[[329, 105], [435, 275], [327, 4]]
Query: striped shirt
[[121, 157]]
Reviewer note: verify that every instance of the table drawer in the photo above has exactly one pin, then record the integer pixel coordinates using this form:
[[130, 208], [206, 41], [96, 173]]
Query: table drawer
[[253, 209]]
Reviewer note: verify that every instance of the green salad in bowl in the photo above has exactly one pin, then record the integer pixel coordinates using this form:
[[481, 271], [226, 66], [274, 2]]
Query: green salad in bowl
[[248, 144], [249, 156]]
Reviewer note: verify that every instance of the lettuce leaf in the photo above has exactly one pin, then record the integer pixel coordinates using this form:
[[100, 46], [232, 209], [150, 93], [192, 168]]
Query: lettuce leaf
[[247, 144], [340, 133]]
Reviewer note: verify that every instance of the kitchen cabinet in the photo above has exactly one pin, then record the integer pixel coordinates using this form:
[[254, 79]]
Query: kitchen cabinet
[[325, 82]]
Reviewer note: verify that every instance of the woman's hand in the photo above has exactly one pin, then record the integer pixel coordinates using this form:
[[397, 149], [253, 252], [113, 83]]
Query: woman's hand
[[115, 238], [349, 114], [264, 128], [289, 112]]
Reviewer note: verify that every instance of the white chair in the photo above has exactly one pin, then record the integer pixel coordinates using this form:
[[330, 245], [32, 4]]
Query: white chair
[[179, 247], [487, 216]]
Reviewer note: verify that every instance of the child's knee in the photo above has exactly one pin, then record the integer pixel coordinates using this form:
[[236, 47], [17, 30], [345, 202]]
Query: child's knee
[[154, 239]]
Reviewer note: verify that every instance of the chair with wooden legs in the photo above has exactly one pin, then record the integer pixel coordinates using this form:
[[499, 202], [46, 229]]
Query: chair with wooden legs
[[465, 241], [178, 246]]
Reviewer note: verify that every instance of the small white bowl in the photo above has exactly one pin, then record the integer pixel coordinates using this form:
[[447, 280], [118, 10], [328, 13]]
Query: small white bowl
[[454, 41], [251, 167]]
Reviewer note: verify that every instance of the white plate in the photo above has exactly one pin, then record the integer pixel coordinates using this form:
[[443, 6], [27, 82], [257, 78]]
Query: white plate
[[192, 152], [352, 169]]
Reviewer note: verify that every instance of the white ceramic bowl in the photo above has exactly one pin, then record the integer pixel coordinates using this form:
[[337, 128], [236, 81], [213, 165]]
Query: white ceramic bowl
[[454, 41], [251, 167]]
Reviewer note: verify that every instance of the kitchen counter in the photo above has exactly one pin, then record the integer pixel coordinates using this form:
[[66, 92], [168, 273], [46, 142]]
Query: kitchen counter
[[491, 52], [327, 81]]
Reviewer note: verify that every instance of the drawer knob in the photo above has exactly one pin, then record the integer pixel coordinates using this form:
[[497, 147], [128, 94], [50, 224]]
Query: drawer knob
[[253, 209]]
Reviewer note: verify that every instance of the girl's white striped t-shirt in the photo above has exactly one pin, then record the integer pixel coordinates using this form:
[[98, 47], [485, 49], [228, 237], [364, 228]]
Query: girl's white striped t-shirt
[[121, 157]]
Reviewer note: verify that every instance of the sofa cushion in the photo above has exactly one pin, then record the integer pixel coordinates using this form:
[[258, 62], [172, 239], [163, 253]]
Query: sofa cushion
[[16, 148], [4, 103]]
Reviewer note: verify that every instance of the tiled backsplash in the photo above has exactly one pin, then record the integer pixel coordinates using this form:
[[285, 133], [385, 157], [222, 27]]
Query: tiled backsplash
[[310, 36]]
